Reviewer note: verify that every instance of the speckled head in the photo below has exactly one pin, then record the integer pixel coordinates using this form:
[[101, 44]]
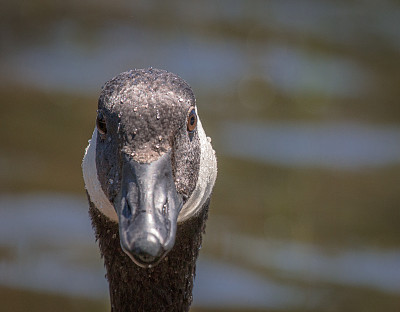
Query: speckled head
[[142, 167]]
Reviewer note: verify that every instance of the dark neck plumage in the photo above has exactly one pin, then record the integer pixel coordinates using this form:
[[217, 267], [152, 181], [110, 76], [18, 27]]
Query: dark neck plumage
[[166, 287]]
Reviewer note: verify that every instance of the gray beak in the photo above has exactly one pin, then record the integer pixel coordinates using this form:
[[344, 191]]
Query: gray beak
[[147, 206]]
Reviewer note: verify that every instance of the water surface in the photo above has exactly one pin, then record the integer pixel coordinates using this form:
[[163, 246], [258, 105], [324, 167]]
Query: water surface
[[68, 262]]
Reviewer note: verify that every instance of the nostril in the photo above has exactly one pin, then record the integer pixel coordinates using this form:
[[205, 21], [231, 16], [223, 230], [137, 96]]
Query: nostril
[[126, 210], [165, 208]]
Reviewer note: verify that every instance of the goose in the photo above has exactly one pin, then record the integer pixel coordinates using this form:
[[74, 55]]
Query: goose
[[149, 171]]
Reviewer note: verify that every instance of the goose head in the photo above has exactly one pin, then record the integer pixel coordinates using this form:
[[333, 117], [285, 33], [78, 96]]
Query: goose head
[[149, 164]]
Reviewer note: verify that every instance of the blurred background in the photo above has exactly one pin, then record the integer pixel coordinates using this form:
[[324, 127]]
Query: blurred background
[[301, 100]]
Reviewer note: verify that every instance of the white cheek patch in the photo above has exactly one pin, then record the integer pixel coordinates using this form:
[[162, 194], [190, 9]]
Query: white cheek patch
[[206, 179], [92, 184], [202, 191]]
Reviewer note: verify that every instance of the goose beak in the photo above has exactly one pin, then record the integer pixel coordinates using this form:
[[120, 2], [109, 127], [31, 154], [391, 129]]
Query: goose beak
[[148, 206]]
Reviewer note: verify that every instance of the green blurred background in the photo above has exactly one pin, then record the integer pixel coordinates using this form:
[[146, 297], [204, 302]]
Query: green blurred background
[[301, 101]]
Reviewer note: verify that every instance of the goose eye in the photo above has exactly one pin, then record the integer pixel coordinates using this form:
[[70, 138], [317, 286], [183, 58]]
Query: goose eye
[[192, 120], [101, 123]]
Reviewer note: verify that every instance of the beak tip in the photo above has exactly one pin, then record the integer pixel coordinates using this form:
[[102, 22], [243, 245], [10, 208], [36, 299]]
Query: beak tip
[[145, 251]]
